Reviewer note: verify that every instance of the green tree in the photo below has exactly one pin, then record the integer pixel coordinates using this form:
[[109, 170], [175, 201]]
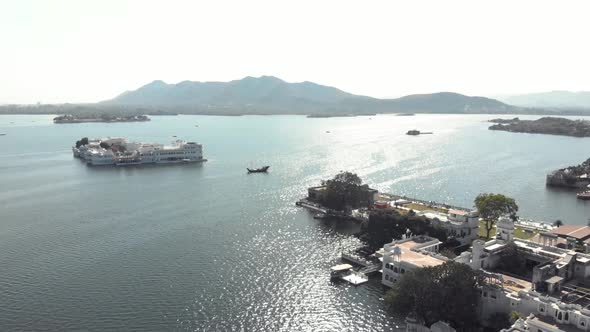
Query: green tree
[[83, 141], [558, 223], [448, 292], [344, 190], [493, 206], [511, 261], [105, 145], [386, 225], [497, 321], [514, 316]]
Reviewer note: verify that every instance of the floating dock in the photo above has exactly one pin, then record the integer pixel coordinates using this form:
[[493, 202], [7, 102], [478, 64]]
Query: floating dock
[[356, 278]]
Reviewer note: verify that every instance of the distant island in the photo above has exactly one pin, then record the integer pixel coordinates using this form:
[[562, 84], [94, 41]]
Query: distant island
[[571, 177], [504, 121], [80, 118], [545, 125], [336, 115]]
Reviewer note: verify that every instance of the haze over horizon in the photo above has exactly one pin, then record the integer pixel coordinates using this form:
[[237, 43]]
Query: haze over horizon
[[88, 51]]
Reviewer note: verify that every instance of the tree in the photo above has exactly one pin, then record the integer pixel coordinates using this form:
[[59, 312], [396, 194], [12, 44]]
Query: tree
[[83, 141], [344, 190], [448, 292], [511, 261], [514, 316], [497, 321], [558, 223], [105, 145], [493, 206], [385, 225]]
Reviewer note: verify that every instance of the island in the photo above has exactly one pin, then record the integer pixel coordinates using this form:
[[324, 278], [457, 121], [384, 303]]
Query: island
[[571, 177], [70, 118], [545, 125], [338, 115]]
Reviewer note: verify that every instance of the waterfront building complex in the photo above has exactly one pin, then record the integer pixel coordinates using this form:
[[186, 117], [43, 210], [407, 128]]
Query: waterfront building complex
[[554, 293], [120, 152]]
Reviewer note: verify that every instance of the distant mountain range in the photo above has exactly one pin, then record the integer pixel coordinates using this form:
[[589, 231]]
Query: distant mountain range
[[271, 95], [552, 99]]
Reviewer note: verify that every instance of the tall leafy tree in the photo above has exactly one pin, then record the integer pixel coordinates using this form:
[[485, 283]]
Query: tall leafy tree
[[493, 206], [344, 190], [448, 292]]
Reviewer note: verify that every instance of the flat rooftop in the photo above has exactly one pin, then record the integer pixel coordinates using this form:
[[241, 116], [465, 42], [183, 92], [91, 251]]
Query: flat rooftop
[[416, 258], [516, 284], [545, 322], [458, 212], [575, 231]]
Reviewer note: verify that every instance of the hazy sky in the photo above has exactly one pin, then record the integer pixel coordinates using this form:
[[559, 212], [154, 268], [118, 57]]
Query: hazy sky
[[86, 51]]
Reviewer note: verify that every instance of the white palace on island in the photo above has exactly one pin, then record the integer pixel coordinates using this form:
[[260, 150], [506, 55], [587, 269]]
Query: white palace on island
[[120, 152]]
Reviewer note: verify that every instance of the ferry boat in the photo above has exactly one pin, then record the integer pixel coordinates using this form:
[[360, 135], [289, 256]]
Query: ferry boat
[[120, 152]]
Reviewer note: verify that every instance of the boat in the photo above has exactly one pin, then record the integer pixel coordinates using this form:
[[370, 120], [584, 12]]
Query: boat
[[585, 195], [339, 271], [415, 132], [263, 169]]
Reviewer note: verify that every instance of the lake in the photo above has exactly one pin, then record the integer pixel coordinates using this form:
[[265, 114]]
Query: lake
[[207, 247]]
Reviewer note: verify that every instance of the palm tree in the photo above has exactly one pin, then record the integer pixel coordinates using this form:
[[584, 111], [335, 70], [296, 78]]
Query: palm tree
[[558, 223]]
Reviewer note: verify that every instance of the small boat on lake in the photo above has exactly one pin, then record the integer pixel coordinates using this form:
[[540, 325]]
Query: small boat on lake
[[263, 169], [415, 132]]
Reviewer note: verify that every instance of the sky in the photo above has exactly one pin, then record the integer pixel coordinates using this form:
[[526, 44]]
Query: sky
[[86, 51]]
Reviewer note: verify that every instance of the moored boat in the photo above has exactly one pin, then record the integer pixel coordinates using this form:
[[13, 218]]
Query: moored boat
[[585, 195], [339, 271]]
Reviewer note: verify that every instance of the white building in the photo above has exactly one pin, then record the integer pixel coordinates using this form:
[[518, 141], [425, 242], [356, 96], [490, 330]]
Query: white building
[[459, 224], [557, 294], [120, 152], [532, 323], [401, 256]]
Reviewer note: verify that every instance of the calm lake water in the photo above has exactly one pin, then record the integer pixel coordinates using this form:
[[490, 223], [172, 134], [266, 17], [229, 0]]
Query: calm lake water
[[208, 247]]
